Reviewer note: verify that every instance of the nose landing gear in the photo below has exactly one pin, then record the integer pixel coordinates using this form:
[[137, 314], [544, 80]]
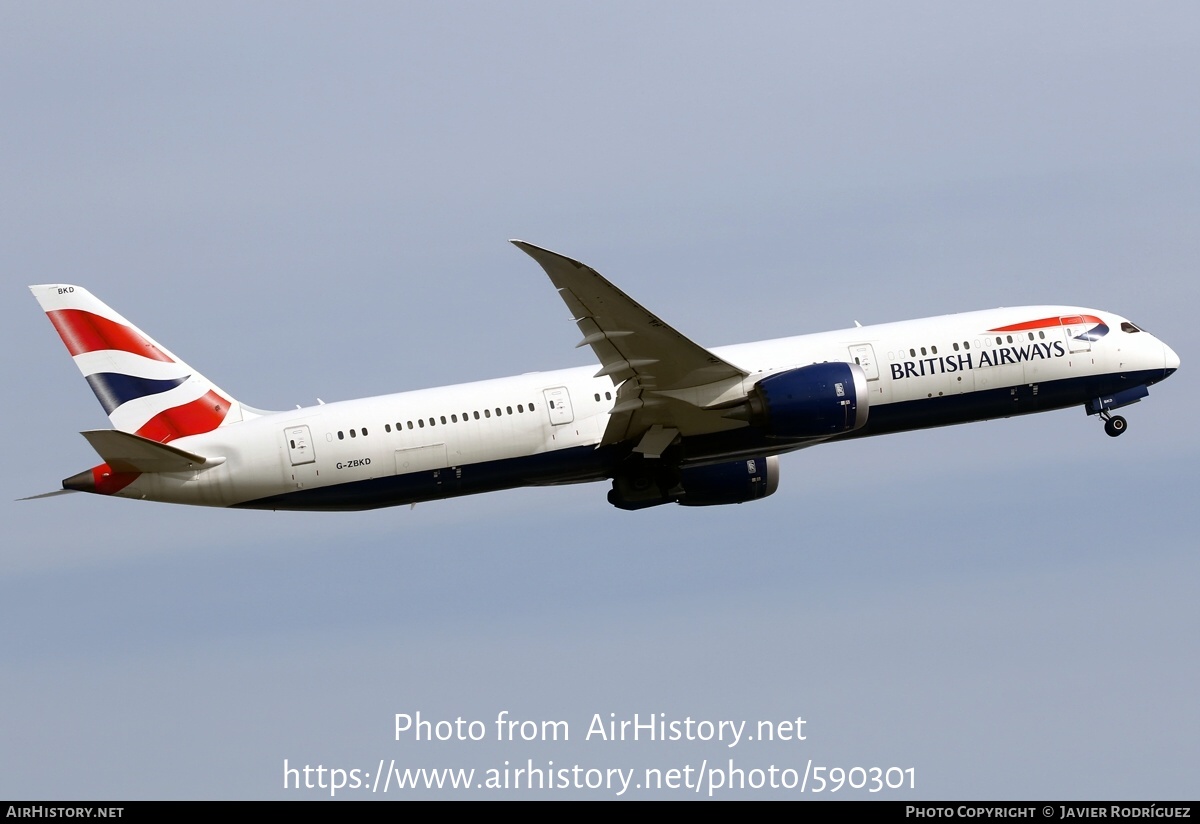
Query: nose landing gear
[[1114, 425], [1103, 406]]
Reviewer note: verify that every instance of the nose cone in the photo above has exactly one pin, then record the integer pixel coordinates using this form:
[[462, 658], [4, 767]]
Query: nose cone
[[1170, 360]]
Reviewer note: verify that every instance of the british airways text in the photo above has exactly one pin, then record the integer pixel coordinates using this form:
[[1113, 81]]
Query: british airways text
[[946, 364]]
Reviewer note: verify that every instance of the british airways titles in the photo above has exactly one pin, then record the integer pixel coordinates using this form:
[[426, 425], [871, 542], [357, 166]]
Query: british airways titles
[[946, 364]]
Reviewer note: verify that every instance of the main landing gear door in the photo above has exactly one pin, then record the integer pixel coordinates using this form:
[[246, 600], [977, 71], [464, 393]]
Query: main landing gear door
[[558, 405]]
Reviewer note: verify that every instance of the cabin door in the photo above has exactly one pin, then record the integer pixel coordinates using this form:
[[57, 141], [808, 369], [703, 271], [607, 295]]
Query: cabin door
[[303, 469], [558, 405]]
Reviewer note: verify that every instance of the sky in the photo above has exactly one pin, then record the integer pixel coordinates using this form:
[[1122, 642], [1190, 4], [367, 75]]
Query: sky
[[310, 200]]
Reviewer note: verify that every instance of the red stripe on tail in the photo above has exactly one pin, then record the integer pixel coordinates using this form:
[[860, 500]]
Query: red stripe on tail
[[84, 332], [201, 415]]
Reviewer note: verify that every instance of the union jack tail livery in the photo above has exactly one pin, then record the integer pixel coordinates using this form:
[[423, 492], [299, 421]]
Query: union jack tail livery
[[145, 389]]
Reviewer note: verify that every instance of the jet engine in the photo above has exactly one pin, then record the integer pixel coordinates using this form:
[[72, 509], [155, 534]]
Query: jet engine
[[813, 401], [644, 483]]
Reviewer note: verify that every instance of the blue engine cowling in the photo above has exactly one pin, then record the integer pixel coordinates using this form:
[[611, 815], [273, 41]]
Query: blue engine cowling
[[813, 401], [644, 483], [729, 483]]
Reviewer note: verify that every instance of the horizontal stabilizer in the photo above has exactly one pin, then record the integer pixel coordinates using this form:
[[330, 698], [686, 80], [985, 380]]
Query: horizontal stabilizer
[[126, 452], [47, 494]]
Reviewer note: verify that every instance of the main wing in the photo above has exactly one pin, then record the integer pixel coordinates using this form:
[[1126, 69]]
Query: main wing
[[667, 384]]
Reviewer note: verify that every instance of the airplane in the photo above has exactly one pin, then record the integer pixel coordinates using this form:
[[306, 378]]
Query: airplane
[[664, 419]]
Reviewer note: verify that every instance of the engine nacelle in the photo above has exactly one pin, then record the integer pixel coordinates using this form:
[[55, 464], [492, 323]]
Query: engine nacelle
[[729, 483], [644, 483], [810, 402]]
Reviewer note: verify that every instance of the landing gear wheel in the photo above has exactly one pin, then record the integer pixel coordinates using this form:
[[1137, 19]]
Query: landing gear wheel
[[1115, 425]]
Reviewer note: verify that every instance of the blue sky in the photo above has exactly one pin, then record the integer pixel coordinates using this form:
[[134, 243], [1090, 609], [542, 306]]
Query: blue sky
[[306, 201]]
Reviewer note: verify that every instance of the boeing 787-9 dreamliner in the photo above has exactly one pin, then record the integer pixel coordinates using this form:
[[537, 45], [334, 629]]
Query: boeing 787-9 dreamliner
[[664, 419]]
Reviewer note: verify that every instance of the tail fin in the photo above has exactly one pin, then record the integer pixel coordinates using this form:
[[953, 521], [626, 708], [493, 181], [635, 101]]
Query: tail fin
[[145, 389]]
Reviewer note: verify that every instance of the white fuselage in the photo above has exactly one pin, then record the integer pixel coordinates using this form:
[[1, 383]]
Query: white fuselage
[[545, 427]]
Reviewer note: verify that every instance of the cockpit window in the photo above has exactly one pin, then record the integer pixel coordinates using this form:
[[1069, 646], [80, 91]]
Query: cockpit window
[[1126, 326]]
